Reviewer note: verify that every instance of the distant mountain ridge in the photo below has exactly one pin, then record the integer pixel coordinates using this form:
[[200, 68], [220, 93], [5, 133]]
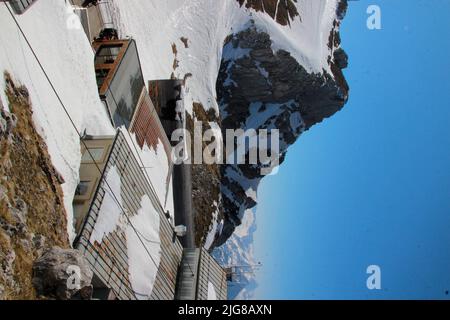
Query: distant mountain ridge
[[262, 88], [239, 251]]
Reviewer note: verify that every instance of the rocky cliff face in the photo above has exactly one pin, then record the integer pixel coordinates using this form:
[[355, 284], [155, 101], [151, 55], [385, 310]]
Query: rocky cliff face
[[32, 215], [262, 88]]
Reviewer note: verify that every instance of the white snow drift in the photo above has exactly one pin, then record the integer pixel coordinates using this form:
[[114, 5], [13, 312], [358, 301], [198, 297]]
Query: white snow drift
[[143, 259], [110, 216]]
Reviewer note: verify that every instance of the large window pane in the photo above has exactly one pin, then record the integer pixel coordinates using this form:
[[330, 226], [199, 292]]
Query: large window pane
[[96, 153], [107, 54], [101, 75], [125, 88], [82, 188]]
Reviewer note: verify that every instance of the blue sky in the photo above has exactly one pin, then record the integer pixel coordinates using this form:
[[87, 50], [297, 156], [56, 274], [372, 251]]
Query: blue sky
[[371, 185]]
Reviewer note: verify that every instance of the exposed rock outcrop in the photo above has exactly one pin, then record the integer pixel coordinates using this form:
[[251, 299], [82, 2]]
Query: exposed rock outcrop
[[62, 273], [205, 180], [32, 214], [264, 89]]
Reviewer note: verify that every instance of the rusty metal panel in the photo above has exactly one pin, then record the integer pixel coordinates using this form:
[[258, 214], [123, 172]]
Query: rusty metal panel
[[146, 124], [147, 128]]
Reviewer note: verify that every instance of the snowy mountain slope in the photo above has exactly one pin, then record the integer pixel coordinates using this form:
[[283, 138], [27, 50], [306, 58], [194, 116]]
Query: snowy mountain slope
[[67, 57], [253, 69], [156, 25], [262, 88], [306, 35]]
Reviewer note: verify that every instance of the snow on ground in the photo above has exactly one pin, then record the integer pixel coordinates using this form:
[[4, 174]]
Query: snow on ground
[[142, 268], [211, 292], [156, 24], [110, 216], [156, 164], [306, 40], [67, 57]]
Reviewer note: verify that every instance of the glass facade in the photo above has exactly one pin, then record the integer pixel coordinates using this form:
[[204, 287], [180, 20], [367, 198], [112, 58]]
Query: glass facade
[[107, 54], [100, 75], [20, 6], [82, 188], [125, 88], [96, 153]]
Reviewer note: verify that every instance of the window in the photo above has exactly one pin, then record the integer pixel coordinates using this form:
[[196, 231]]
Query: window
[[126, 88], [20, 6], [93, 154], [107, 54], [101, 75], [82, 188]]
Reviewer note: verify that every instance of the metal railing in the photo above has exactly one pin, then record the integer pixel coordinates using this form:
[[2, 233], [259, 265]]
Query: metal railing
[[20, 6]]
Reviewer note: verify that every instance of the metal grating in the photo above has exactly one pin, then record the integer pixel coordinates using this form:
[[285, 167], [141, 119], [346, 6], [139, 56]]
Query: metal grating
[[211, 271], [188, 275], [198, 268]]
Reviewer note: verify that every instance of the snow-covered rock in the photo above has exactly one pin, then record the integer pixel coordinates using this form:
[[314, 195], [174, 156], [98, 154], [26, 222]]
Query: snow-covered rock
[[265, 86]]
